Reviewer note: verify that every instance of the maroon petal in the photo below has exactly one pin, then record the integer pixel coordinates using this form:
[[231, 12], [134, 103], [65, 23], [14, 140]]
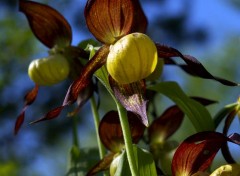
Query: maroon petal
[[109, 20], [140, 21], [111, 134], [48, 25], [197, 152], [132, 97], [80, 84], [29, 99], [193, 67]]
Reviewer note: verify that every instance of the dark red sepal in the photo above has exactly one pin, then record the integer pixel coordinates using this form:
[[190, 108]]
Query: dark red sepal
[[48, 25], [132, 97], [110, 130], [164, 126], [193, 67], [109, 20], [197, 152], [29, 99]]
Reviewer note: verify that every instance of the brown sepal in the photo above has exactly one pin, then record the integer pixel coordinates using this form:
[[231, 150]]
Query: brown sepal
[[132, 97], [111, 134], [47, 24], [109, 20], [192, 67], [29, 99], [197, 152]]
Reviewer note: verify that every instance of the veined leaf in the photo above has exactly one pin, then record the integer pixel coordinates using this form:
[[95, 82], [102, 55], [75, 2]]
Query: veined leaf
[[145, 163], [197, 113]]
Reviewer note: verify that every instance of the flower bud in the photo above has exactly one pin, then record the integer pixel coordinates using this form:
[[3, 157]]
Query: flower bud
[[50, 70], [132, 58]]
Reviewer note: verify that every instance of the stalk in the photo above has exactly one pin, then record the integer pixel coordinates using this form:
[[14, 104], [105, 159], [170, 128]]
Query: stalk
[[127, 138]]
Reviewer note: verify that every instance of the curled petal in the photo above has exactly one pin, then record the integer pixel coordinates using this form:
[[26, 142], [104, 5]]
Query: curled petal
[[48, 25], [110, 130], [29, 99], [193, 67], [109, 20]]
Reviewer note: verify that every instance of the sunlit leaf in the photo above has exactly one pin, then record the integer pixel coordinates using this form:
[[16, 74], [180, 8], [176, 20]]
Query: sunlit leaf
[[193, 67], [197, 113], [111, 134], [197, 152], [145, 163], [109, 20], [48, 25], [132, 97], [29, 99]]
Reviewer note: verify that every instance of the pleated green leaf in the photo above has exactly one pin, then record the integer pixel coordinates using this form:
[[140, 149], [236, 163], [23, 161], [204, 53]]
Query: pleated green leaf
[[197, 113], [145, 163]]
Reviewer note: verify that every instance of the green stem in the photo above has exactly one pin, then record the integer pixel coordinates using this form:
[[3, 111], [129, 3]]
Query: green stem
[[75, 132], [127, 138], [96, 123]]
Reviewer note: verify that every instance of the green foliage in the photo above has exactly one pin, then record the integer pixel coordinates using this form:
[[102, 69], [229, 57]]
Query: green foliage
[[197, 113]]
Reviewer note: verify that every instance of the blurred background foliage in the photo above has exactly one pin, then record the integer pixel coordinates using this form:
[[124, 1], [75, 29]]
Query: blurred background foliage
[[210, 32]]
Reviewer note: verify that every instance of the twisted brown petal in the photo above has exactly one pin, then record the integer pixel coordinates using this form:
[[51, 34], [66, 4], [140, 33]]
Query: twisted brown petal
[[29, 99]]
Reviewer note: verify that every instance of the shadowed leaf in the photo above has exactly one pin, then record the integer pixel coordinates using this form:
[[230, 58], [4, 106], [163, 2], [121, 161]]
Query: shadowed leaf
[[193, 67], [132, 97], [197, 152], [29, 99], [111, 134], [109, 20], [48, 25]]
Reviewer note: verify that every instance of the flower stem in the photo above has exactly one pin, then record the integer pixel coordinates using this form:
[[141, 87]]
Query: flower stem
[[127, 138], [96, 123], [75, 132]]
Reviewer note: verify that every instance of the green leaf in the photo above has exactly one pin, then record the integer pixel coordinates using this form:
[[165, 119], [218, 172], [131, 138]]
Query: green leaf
[[197, 113], [145, 163], [224, 112], [81, 161]]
